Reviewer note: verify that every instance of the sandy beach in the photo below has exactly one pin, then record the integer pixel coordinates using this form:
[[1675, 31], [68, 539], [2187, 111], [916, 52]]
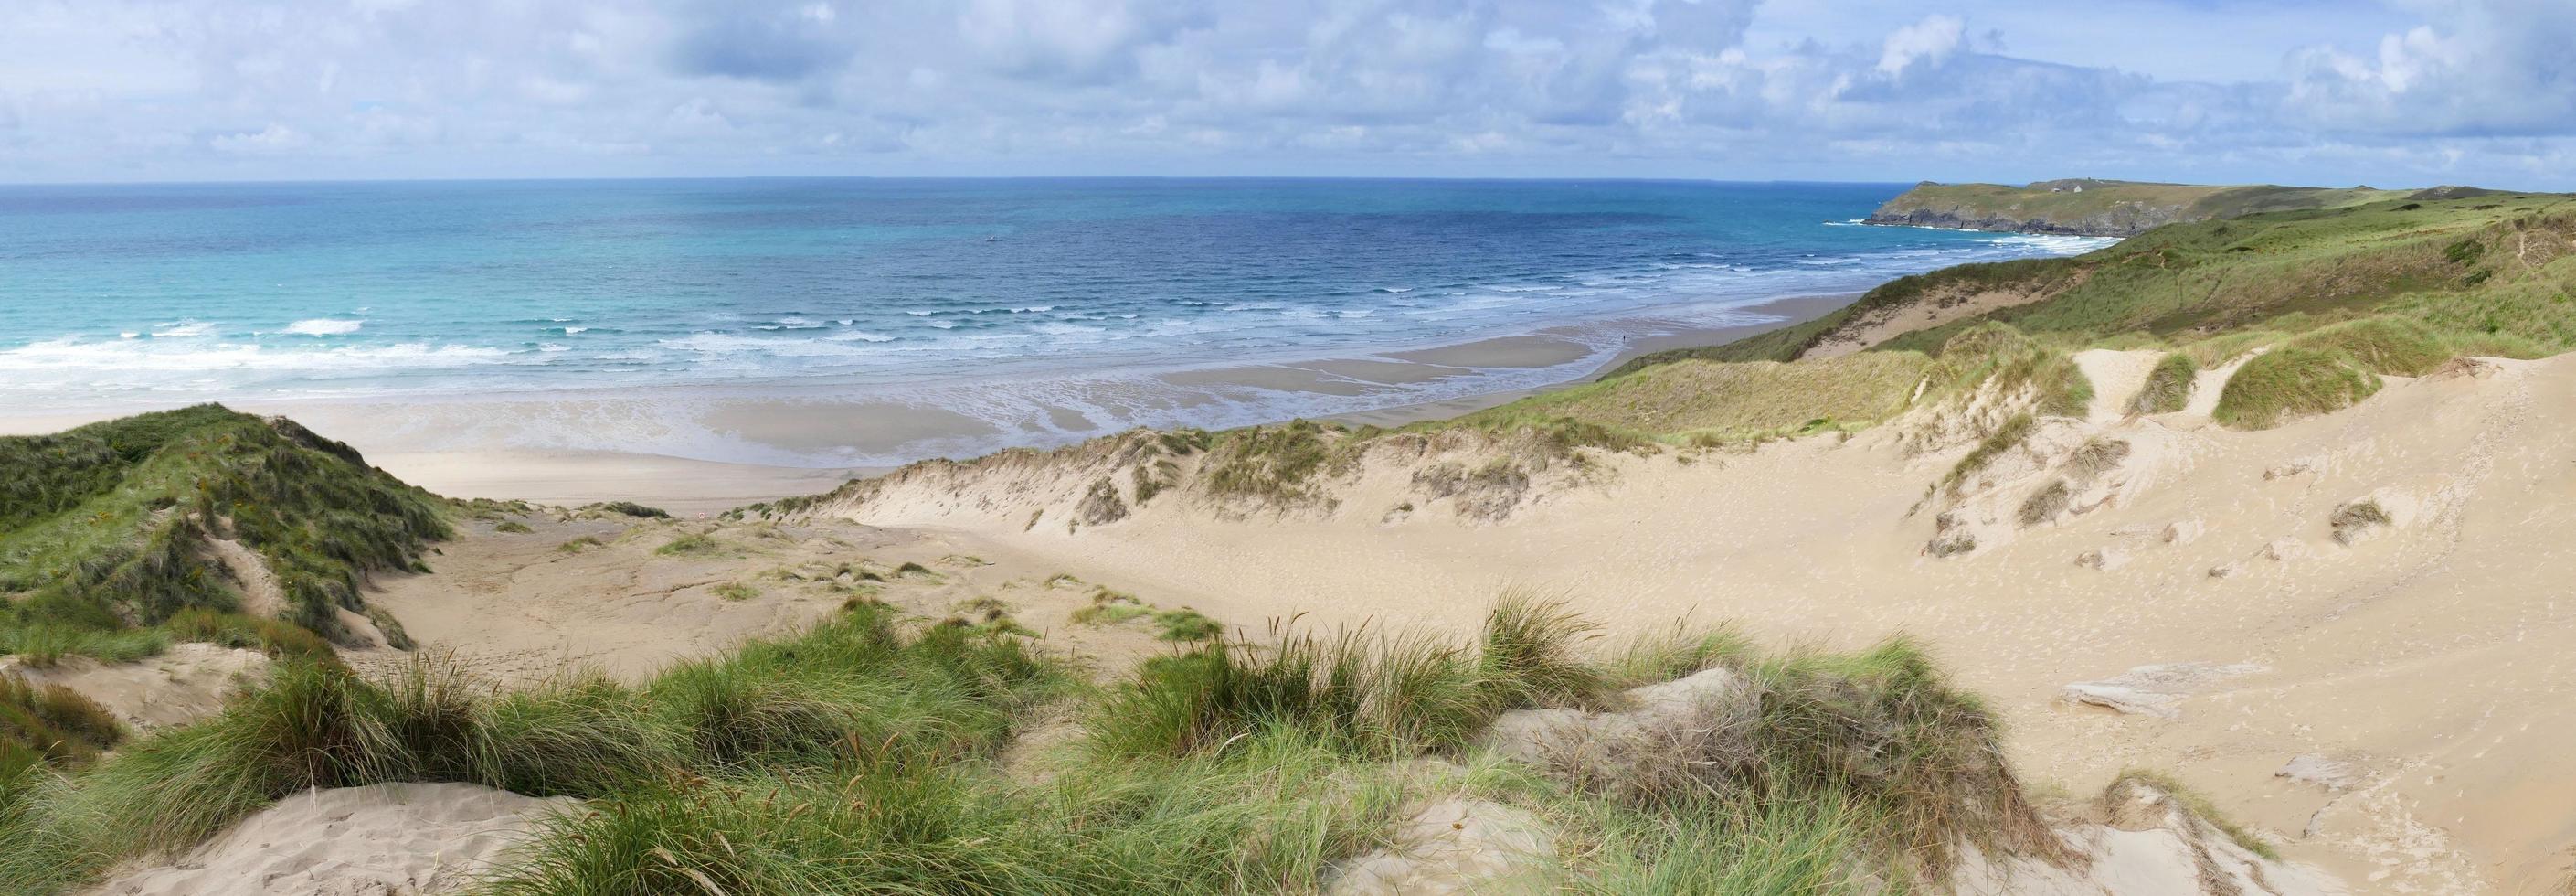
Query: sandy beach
[[496, 447]]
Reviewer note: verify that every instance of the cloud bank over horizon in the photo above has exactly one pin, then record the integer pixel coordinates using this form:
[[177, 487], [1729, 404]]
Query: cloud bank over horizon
[[2409, 92]]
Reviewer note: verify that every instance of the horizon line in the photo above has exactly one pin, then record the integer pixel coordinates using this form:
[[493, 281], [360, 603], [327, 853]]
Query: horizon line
[[1115, 177]]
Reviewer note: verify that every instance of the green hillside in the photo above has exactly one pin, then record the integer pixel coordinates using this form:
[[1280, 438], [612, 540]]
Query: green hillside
[[2494, 269], [2103, 207]]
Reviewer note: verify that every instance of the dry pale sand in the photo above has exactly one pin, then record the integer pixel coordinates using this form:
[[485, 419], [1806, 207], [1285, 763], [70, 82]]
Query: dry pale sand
[[380, 840], [183, 684], [518, 607], [2425, 661], [2116, 377], [575, 478]]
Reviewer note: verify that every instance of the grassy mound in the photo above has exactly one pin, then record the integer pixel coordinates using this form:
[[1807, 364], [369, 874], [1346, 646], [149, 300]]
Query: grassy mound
[[847, 692], [111, 526], [2490, 273], [2291, 381], [1732, 401], [2168, 387], [2390, 345]]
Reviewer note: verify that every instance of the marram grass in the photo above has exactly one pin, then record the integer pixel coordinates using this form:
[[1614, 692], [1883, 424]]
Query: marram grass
[[858, 758], [107, 526]]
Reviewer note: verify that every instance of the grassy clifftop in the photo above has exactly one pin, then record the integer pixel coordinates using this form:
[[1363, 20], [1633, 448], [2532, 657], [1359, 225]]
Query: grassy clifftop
[[110, 531], [2495, 266], [2101, 207]]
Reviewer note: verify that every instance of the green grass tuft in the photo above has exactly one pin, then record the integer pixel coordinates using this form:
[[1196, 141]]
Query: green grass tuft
[[629, 509], [50, 723], [690, 544], [2389, 345], [2291, 381], [277, 638], [2168, 387], [1186, 624], [2014, 431], [2045, 504]]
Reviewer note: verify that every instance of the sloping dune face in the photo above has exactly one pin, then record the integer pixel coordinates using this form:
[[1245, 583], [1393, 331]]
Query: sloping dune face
[[2348, 630]]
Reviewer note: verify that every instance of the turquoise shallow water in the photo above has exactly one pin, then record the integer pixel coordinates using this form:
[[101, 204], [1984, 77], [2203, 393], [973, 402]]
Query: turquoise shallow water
[[122, 297]]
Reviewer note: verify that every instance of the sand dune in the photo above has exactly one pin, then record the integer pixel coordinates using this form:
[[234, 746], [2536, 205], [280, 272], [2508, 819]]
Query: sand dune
[[2425, 656]]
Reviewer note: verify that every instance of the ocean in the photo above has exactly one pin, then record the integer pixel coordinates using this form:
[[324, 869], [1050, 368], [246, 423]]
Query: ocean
[[991, 298]]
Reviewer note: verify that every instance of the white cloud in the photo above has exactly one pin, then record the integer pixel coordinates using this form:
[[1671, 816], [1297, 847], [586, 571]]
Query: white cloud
[[146, 89], [1929, 41], [274, 139], [2483, 67]]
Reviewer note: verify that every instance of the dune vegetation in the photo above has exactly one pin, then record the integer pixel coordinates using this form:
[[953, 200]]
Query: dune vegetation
[[865, 755], [2395, 286], [111, 530]]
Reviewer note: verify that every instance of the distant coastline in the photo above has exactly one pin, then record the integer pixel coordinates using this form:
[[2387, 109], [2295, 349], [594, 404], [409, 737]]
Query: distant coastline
[[2107, 208]]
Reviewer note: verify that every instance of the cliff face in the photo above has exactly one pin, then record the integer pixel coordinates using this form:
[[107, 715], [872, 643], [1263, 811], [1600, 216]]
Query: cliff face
[[2084, 207]]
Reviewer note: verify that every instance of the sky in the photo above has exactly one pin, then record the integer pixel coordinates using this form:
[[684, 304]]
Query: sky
[[2395, 93]]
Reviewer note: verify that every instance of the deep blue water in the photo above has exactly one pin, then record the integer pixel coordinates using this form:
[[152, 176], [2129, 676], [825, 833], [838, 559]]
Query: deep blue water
[[115, 296]]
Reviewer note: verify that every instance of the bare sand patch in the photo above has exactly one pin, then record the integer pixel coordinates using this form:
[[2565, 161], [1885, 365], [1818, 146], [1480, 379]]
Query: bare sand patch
[[2117, 376], [185, 683], [391, 839], [603, 595], [574, 478], [1508, 351]]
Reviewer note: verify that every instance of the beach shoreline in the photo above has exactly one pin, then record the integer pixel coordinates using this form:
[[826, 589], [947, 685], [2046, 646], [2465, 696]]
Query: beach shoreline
[[418, 439]]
